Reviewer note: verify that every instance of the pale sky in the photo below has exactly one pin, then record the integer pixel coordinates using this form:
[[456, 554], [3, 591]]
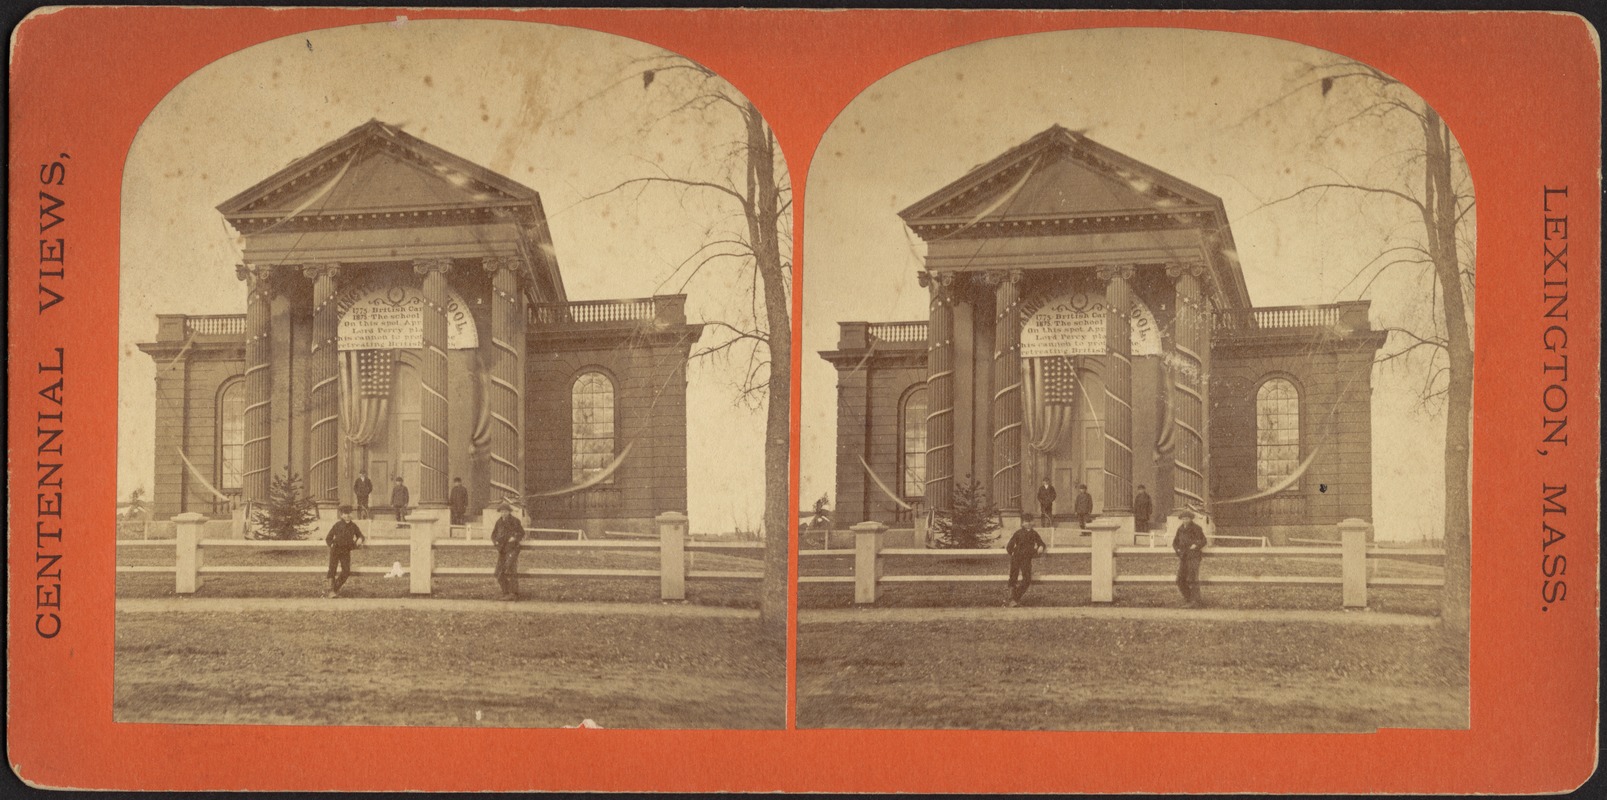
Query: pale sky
[[561, 110], [1184, 102]]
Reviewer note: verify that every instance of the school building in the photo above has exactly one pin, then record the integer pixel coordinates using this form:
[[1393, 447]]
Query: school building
[[405, 315], [1089, 324]]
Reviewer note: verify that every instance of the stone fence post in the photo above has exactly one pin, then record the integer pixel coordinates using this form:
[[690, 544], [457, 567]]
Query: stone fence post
[[867, 560], [672, 556], [187, 563], [1102, 562], [421, 550], [1353, 561]]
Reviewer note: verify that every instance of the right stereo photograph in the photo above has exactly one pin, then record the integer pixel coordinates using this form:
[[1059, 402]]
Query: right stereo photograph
[[1136, 394]]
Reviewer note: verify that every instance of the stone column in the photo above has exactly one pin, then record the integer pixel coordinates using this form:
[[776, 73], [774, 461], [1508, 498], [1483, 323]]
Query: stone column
[[323, 463], [1118, 388], [1190, 342], [432, 384], [940, 393], [505, 363], [258, 383], [1008, 490]]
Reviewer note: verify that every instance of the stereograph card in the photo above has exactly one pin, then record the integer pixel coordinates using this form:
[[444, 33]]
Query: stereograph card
[[758, 400]]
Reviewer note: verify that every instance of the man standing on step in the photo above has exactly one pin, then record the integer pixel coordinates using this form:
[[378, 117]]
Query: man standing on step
[[1046, 502], [1025, 545], [400, 497], [458, 501], [507, 536], [1083, 506], [343, 537], [361, 489], [1189, 543], [1143, 509]]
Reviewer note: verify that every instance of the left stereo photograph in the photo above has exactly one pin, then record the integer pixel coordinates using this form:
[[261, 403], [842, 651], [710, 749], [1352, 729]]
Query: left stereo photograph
[[444, 384]]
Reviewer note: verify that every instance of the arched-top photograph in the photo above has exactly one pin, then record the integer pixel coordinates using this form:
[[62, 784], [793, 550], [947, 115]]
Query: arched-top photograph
[[456, 291], [1165, 295]]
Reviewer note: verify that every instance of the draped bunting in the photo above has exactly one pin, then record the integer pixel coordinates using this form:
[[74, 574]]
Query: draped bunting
[[366, 377]]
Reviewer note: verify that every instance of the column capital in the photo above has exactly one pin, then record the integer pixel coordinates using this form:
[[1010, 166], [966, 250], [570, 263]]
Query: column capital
[[498, 263], [321, 269], [923, 278], [424, 266], [1194, 269], [1112, 272], [258, 279]]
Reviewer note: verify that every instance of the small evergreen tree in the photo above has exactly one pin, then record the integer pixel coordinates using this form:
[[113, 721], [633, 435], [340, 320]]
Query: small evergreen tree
[[287, 513], [972, 521]]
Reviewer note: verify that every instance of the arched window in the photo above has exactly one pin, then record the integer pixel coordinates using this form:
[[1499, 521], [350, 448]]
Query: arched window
[[231, 434], [914, 436], [592, 426], [1277, 432]]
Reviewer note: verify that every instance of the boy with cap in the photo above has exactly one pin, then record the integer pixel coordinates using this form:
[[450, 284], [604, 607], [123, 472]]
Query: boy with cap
[[1189, 543], [344, 537], [507, 536], [1025, 545]]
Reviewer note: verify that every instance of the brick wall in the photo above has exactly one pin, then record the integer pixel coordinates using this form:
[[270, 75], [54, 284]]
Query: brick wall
[[649, 376]]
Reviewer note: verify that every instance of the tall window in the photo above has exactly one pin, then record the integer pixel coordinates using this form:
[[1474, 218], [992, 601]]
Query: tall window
[[1277, 432], [592, 426], [231, 435], [915, 444]]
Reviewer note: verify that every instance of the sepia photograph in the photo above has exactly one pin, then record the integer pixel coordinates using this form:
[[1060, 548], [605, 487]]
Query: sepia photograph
[[454, 388], [1137, 394]]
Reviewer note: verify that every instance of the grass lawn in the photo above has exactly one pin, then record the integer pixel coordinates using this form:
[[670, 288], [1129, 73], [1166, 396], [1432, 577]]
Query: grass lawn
[[450, 668], [724, 593], [1405, 600], [1114, 674]]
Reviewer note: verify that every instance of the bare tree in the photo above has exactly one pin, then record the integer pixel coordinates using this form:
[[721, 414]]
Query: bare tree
[[748, 174], [1431, 189]]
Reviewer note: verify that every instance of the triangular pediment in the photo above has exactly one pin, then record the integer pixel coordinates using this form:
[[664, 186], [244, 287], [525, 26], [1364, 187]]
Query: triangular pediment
[[376, 168], [1057, 174]]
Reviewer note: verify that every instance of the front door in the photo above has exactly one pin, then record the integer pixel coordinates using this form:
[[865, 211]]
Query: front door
[[1080, 456], [396, 452]]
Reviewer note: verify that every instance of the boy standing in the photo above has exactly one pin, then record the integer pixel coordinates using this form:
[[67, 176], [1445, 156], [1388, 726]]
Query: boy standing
[[1025, 545], [400, 497], [343, 537], [1084, 508], [507, 536], [1189, 543], [361, 489]]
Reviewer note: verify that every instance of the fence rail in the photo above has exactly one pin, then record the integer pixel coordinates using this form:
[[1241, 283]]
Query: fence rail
[[1351, 550], [898, 331], [216, 324], [674, 549], [633, 310]]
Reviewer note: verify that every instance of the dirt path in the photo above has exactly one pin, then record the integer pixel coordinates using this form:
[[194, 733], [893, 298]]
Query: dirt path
[[1360, 617], [242, 604]]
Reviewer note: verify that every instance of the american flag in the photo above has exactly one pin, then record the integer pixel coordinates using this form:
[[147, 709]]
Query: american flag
[[1059, 381], [374, 370]]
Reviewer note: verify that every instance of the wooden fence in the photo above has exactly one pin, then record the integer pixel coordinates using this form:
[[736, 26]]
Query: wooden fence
[[189, 567], [1352, 552]]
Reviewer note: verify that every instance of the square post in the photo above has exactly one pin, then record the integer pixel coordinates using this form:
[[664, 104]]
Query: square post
[[671, 556], [867, 560], [421, 551], [1102, 589], [1353, 562], [187, 564]]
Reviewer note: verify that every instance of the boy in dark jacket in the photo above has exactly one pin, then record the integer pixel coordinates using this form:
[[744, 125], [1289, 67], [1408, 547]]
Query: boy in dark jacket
[[507, 536], [1189, 543], [1084, 506], [1025, 545], [361, 489], [400, 497], [343, 537]]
